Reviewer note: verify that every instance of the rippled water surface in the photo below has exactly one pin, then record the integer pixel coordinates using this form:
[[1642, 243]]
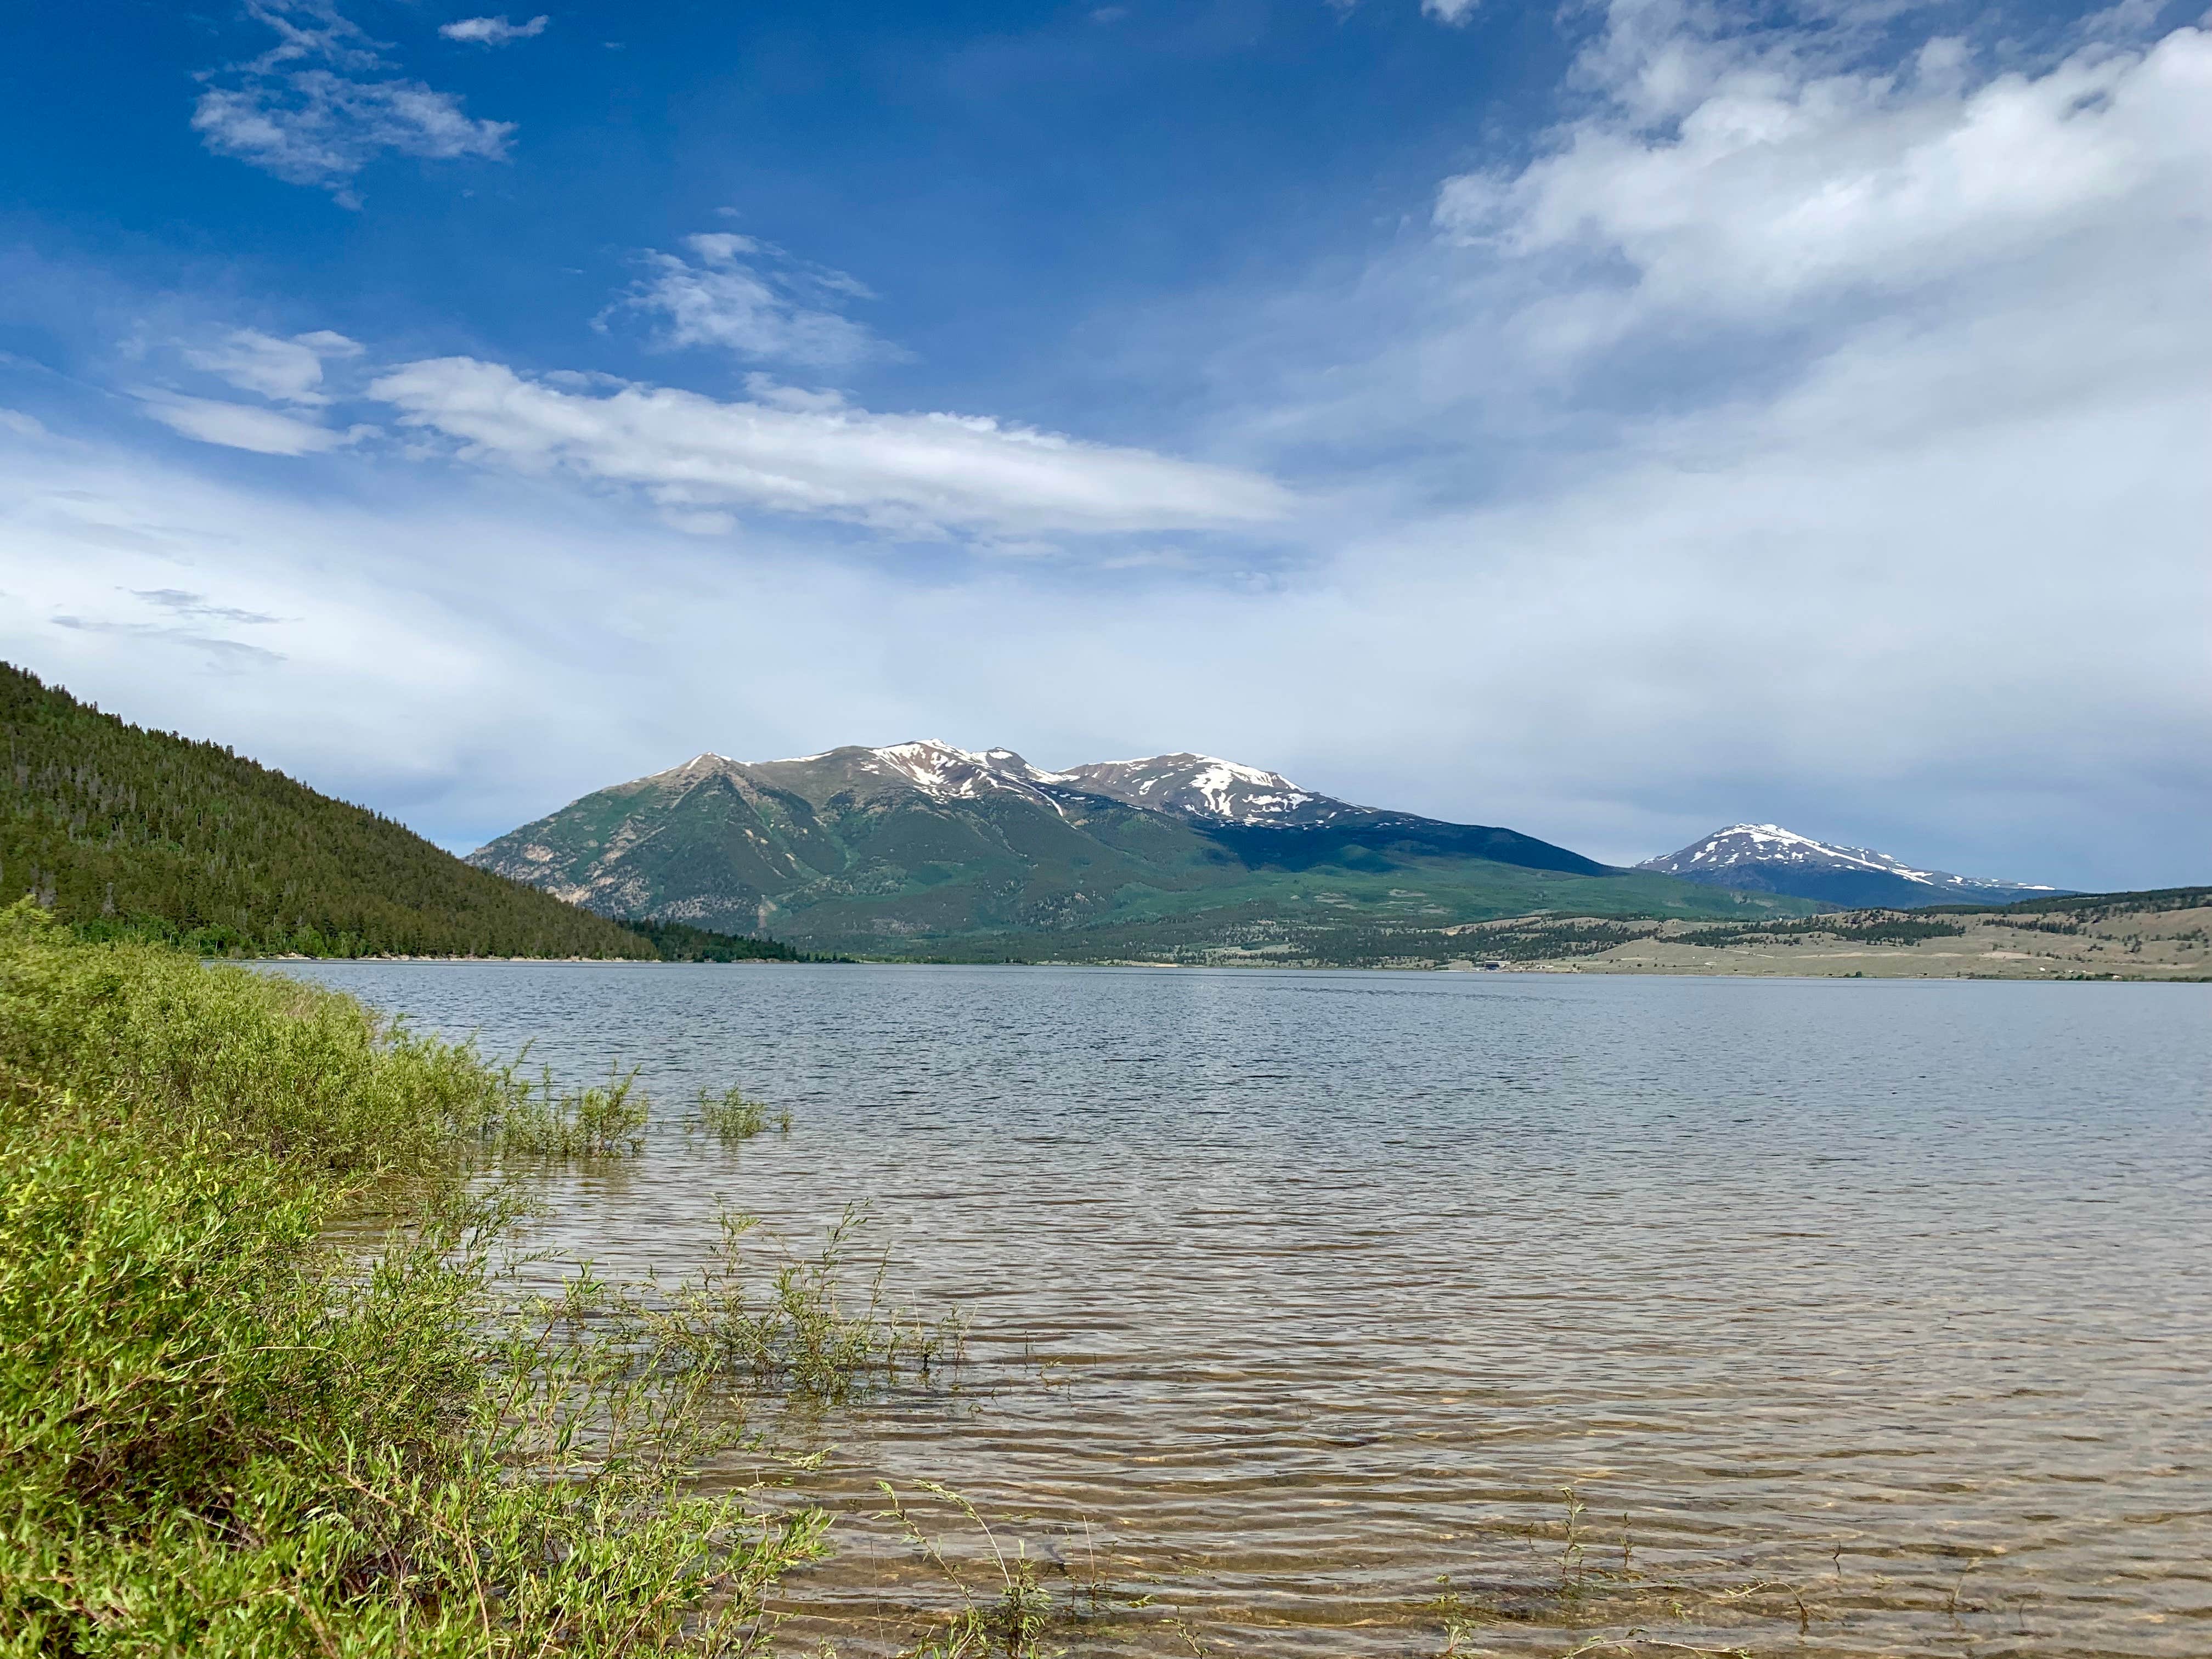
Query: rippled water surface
[[1868, 1317]]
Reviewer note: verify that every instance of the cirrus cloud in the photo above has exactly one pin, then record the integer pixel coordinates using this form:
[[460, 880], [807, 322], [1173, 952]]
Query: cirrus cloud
[[313, 110], [744, 296]]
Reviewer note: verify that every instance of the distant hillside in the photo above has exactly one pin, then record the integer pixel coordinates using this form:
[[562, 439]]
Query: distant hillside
[[2161, 935], [114, 827], [1765, 857], [922, 849]]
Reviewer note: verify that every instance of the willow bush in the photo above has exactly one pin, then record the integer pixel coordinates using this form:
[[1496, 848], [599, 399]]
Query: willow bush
[[222, 1435]]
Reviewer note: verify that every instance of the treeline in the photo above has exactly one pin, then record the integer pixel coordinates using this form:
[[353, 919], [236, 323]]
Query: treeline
[[676, 942], [2088, 907], [122, 832]]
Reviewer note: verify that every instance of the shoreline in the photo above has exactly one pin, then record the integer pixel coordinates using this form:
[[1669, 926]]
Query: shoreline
[[1589, 967]]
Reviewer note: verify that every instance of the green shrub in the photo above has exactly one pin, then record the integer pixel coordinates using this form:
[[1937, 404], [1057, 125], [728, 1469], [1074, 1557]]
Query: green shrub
[[728, 1114], [596, 1123], [219, 1436]]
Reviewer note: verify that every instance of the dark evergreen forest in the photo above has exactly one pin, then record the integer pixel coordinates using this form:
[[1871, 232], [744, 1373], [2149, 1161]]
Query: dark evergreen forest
[[120, 830]]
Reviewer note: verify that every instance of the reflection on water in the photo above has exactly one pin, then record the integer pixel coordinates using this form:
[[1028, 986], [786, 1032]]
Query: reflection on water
[[1860, 1318]]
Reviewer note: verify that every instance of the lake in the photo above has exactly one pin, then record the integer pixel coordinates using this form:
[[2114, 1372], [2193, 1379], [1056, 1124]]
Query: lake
[[1857, 1317]]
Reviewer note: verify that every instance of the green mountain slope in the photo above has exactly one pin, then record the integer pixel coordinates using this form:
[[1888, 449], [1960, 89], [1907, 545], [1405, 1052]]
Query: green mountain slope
[[919, 849], [111, 826]]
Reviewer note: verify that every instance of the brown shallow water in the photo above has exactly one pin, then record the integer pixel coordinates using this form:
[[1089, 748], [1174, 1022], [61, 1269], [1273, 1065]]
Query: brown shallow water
[[1872, 1317]]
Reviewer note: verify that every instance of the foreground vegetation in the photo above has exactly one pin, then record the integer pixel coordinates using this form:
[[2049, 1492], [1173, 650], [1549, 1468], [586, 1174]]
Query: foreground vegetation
[[220, 1435]]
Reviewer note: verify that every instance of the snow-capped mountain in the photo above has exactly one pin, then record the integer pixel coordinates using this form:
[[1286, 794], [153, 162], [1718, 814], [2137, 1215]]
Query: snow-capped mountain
[[927, 838], [1765, 857], [1204, 787]]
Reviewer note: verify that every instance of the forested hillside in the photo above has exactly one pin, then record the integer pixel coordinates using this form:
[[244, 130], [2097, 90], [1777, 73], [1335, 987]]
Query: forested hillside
[[115, 828]]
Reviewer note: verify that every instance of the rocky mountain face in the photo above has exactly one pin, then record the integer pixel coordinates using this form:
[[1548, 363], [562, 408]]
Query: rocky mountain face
[[1202, 788], [1765, 857], [870, 848]]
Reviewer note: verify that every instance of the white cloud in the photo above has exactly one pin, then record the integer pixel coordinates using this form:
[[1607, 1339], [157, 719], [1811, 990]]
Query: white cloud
[[737, 293], [238, 426], [283, 371], [917, 475], [321, 125], [319, 128], [1449, 11], [1773, 186], [492, 31]]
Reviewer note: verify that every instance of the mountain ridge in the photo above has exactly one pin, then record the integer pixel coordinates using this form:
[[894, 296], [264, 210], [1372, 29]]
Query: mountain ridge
[[903, 846]]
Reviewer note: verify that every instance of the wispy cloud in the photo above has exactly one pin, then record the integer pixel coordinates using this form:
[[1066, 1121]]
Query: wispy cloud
[[221, 652], [289, 371], [238, 426], [193, 615], [492, 31], [915, 475], [741, 294], [181, 602], [316, 108]]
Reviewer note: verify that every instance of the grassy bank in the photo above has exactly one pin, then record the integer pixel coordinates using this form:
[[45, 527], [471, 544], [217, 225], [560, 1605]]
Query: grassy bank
[[221, 1436]]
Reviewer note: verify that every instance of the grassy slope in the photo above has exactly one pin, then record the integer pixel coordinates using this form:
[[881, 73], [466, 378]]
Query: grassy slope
[[113, 826], [218, 1438]]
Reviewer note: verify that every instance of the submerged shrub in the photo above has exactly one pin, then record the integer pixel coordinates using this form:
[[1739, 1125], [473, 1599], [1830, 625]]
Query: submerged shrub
[[606, 1121], [728, 1113]]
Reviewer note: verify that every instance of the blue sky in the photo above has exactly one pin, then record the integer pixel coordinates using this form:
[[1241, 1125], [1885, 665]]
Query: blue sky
[[1609, 421]]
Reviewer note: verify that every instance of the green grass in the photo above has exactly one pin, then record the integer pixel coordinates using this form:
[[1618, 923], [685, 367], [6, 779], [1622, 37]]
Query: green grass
[[221, 1435]]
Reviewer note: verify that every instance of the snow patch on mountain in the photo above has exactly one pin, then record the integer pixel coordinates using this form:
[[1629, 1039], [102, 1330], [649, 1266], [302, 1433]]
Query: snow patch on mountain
[[946, 772]]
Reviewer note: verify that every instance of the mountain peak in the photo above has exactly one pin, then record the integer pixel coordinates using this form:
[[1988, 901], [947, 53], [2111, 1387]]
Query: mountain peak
[[1767, 858], [697, 765], [1741, 842], [1205, 787]]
